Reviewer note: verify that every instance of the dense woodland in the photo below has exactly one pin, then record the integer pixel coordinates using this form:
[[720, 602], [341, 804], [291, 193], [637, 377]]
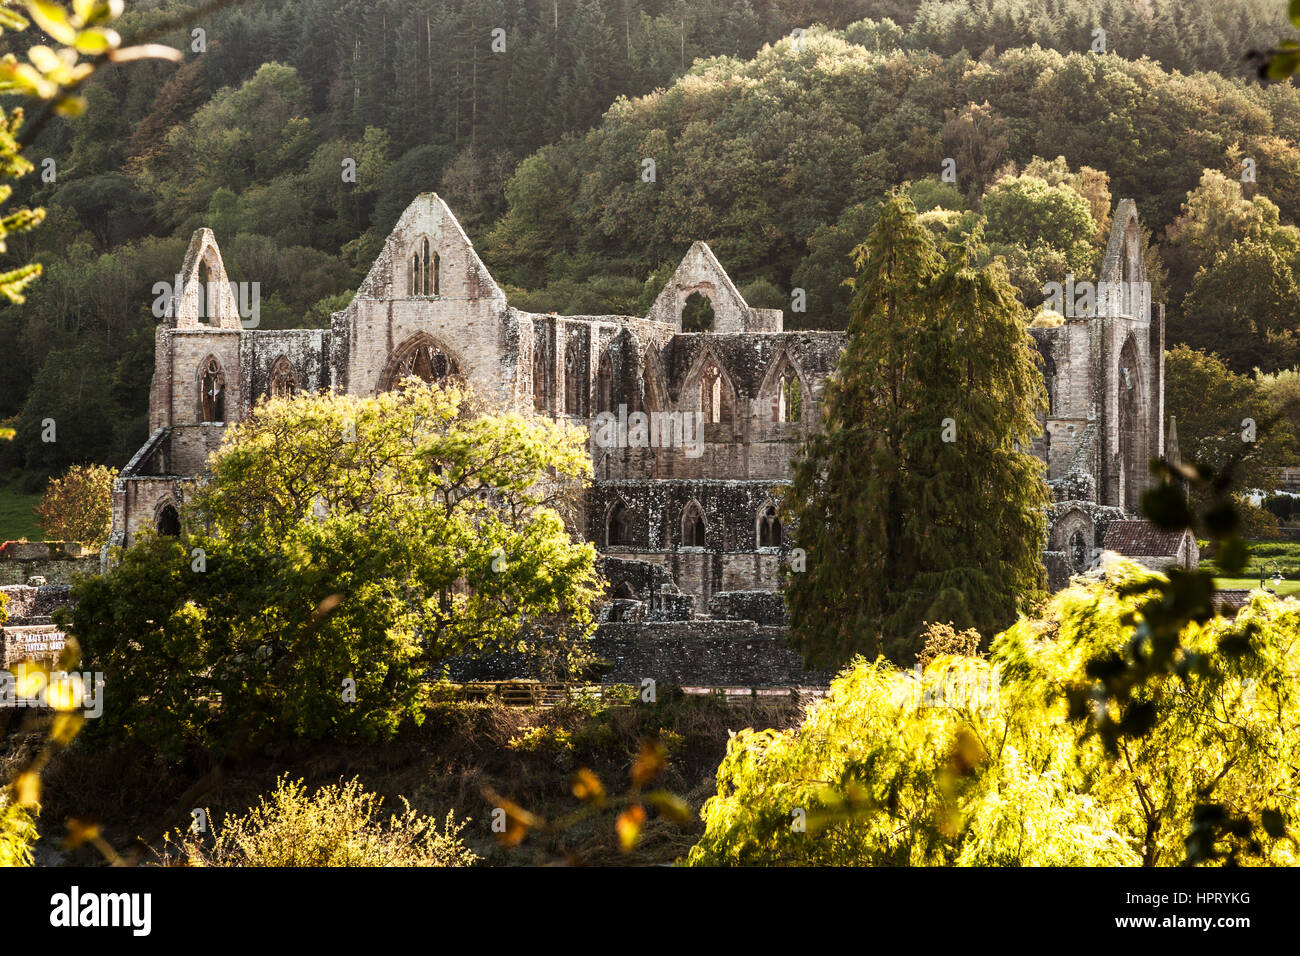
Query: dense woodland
[[774, 148]]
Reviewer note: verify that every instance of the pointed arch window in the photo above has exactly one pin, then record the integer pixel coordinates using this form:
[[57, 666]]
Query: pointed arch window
[[424, 270], [577, 378], [605, 384], [711, 394], [618, 526], [283, 381], [789, 398], [426, 362], [205, 297], [694, 529], [212, 399], [169, 522], [541, 374], [769, 527]]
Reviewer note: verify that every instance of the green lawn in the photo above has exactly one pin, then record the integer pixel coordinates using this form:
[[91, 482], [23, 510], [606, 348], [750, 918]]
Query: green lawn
[[17, 519], [1283, 589]]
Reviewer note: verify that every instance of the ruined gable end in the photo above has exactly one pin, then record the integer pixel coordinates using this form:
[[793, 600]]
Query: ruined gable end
[[201, 292], [428, 257], [701, 280]]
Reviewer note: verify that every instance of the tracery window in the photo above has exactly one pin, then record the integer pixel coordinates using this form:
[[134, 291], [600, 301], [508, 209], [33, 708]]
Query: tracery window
[[213, 392]]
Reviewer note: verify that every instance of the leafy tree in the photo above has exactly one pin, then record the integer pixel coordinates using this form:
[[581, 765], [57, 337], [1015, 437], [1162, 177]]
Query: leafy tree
[[1220, 416], [78, 506], [53, 77], [987, 763], [1045, 232], [1245, 307], [975, 137], [1216, 215], [340, 544], [915, 502]]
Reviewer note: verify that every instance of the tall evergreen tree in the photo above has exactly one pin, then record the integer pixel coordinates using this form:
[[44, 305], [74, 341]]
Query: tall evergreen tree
[[916, 503]]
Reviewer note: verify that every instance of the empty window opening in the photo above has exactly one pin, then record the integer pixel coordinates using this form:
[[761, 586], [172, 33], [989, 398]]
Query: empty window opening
[[789, 399], [169, 522], [697, 313], [769, 528], [617, 532], [424, 270], [693, 527]]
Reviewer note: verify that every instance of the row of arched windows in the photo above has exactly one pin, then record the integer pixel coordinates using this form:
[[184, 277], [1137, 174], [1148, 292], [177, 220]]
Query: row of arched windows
[[717, 400], [618, 526], [281, 383]]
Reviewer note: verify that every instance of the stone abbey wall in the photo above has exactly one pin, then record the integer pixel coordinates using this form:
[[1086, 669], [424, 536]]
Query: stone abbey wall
[[693, 430]]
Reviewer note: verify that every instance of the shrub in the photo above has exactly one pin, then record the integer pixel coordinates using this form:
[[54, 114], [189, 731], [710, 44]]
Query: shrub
[[886, 771], [335, 826], [17, 833], [78, 506]]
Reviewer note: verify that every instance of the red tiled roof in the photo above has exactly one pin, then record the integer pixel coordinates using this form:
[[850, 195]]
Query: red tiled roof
[[1141, 539]]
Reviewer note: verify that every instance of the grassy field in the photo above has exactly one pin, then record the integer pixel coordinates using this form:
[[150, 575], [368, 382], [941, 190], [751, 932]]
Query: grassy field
[[16, 517], [1283, 589], [1266, 557]]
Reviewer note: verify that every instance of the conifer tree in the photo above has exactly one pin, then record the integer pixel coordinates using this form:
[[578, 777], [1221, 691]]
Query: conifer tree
[[916, 503]]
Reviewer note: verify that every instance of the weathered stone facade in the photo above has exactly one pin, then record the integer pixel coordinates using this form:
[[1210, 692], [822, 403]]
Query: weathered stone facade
[[692, 432], [1104, 371], [45, 562]]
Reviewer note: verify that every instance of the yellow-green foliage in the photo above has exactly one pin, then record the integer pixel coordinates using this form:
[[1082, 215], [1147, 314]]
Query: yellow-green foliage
[[879, 777], [17, 833], [537, 739], [335, 826]]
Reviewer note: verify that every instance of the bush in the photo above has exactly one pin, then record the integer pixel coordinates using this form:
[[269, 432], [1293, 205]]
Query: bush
[[987, 762], [335, 826], [1256, 523], [17, 833], [78, 506]]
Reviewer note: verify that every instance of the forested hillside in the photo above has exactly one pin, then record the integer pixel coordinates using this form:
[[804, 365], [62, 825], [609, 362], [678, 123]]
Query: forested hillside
[[774, 148]]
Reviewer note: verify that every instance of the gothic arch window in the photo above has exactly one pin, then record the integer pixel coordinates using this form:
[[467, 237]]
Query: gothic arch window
[[541, 373], [788, 404], [425, 266], [715, 395], [423, 358], [769, 527], [693, 527], [283, 381], [618, 526], [1078, 553], [168, 521], [1133, 439], [605, 384], [212, 392], [576, 381], [205, 297], [649, 393]]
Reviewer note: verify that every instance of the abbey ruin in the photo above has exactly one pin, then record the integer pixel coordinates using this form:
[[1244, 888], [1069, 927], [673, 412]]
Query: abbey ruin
[[692, 431]]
